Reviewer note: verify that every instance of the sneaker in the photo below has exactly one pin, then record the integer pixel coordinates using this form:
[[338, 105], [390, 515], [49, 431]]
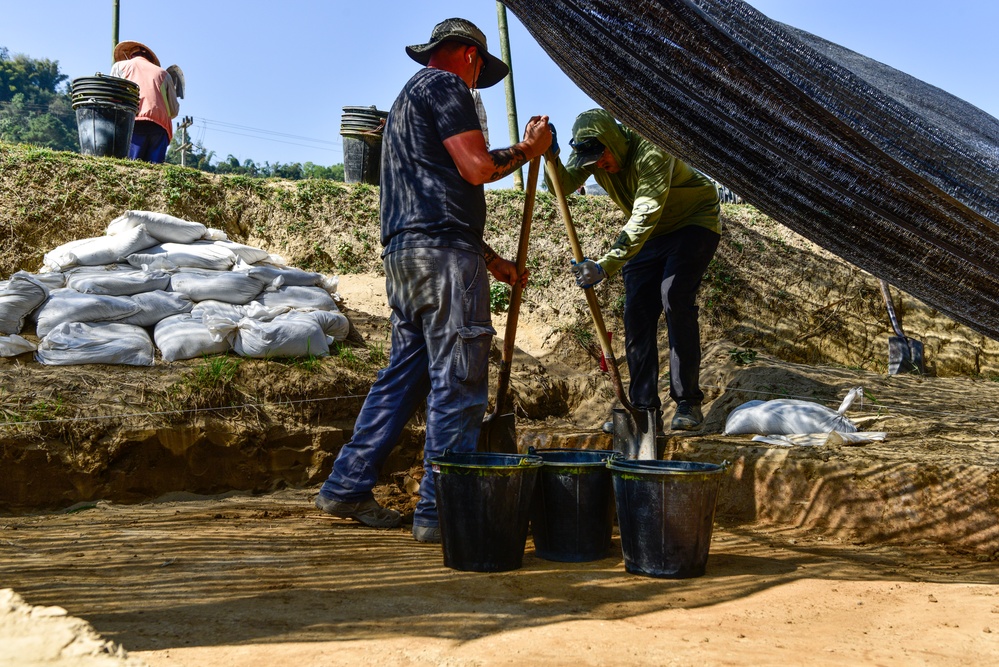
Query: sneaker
[[687, 417], [427, 534], [368, 512]]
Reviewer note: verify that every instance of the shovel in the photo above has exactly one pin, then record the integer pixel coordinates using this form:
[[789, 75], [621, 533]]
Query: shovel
[[634, 429], [905, 355], [499, 434]]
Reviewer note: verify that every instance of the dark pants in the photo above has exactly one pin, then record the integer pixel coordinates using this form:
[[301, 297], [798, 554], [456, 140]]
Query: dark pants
[[665, 275], [149, 142]]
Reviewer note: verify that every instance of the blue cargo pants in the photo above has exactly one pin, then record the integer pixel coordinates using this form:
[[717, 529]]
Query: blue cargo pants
[[441, 335]]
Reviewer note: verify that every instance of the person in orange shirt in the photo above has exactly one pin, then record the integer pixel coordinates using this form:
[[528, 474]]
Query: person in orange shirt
[[157, 100]]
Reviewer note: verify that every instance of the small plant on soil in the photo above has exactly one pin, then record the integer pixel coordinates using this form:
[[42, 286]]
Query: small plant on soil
[[742, 357], [499, 297]]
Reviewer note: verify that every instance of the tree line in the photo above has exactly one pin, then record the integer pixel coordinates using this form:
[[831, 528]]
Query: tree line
[[36, 107]]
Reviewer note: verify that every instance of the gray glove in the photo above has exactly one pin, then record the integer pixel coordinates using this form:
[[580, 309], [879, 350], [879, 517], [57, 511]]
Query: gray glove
[[588, 273]]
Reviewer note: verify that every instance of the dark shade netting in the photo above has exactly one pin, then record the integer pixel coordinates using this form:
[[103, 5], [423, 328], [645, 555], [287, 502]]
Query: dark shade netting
[[893, 175]]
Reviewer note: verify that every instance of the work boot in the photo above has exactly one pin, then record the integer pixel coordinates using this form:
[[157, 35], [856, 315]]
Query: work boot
[[687, 417], [427, 534], [368, 512]]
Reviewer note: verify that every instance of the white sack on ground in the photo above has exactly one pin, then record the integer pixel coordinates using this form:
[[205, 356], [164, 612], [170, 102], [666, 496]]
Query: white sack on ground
[[22, 295], [334, 323], [186, 337], [13, 345], [161, 226], [789, 416], [227, 286], [154, 306], [99, 250], [75, 343], [119, 283], [67, 305], [52, 280], [246, 253], [300, 298], [198, 255], [293, 337]]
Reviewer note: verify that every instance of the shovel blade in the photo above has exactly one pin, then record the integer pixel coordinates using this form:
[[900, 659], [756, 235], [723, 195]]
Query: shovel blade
[[498, 434], [905, 355], [635, 434]]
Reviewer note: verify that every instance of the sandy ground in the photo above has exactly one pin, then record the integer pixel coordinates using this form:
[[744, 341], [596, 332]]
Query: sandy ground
[[259, 581], [262, 580]]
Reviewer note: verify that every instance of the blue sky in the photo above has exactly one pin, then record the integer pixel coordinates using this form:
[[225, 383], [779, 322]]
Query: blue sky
[[267, 81]]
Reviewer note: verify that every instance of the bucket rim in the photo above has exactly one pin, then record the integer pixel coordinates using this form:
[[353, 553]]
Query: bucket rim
[[600, 456], [516, 461], [670, 467]]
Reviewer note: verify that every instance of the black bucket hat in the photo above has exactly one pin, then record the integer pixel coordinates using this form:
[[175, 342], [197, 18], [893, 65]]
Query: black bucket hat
[[460, 30]]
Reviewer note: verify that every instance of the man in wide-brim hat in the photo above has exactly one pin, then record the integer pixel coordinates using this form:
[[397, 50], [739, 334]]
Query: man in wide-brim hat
[[433, 213], [158, 104]]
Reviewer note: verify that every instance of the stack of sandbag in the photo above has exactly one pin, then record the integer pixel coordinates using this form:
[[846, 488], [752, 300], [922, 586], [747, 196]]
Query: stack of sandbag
[[158, 279]]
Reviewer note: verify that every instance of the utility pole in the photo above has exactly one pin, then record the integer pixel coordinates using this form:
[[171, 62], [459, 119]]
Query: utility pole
[[184, 145], [511, 99], [114, 27]]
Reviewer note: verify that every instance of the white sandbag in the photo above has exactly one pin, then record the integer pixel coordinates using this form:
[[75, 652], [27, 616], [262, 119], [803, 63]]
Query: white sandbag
[[298, 297], [822, 439], [24, 293], [197, 255], [13, 345], [246, 253], [334, 323], [161, 226], [186, 337], [290, 337], [219, 309], [118, 282], [99, 250], [51, 279], [227, 286], [216, 235], [789, 416], [156, 305], [67, 305], [73, 343], [274, 276]]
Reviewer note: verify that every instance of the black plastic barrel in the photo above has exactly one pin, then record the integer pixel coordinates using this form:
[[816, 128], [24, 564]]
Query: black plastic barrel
[[361, 130], [483, 502], [665, 512], [572, 516], [105, 114]]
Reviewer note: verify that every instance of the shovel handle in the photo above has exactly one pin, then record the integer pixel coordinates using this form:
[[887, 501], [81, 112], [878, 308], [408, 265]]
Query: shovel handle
[[890, 304], [513, 313], [591, 296]]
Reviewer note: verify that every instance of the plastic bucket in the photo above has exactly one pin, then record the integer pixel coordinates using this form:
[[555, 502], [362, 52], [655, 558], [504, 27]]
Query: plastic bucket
[[665, 512], [362, 156], [483, 502], [105, 114], [572, 515], [105, 129], [361, 129]]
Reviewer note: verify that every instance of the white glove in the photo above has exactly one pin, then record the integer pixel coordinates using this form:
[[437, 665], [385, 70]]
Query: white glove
[[588, 273]]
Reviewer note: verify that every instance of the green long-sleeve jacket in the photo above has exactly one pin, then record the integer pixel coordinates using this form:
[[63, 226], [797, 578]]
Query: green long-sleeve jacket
[[659, 192]]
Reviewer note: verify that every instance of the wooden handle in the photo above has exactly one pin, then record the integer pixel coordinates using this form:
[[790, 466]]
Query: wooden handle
[[591, 296], [513, 312]]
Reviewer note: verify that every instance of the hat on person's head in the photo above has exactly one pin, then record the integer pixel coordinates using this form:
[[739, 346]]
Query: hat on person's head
[[460, 30], [126, 51], [585, 152]]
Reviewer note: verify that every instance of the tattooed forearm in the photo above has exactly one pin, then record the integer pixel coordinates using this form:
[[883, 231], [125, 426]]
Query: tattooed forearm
[[488, 254], [506, 161]]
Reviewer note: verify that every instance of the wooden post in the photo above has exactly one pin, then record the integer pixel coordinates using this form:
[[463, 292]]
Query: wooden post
[[511, 98]]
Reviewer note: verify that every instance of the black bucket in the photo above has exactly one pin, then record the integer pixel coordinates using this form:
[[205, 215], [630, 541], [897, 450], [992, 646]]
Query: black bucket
[[665, 511], [483, 502], [572, 515], [361, 129], [105, 114]]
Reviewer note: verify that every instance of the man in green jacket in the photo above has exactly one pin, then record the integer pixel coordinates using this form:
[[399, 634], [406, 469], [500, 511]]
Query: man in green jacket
[[662, 253]]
